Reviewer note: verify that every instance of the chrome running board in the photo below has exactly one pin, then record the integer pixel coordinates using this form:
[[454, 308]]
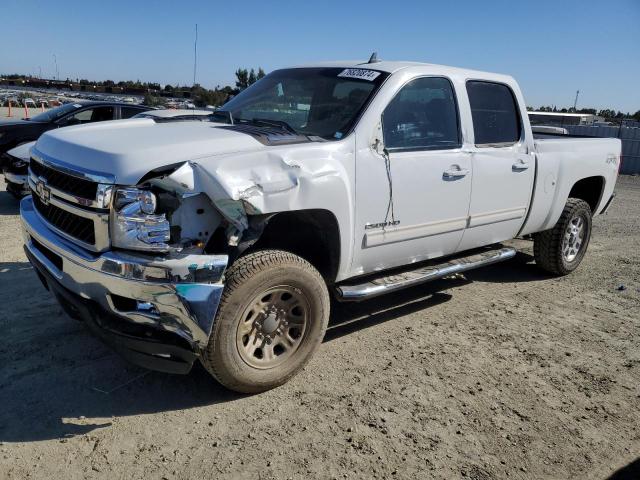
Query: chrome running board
[[398, 281]]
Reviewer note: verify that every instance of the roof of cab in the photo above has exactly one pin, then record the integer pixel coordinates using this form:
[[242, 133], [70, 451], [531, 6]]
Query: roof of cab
[[395, 66]]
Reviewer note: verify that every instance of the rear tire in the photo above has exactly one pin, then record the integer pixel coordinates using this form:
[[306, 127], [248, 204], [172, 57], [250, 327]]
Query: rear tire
[[272, 318], [561, 249]]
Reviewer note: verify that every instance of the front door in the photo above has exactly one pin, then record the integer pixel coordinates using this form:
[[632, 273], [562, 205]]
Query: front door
[[413, 199]]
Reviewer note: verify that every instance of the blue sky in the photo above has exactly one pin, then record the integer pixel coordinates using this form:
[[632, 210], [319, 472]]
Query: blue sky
[[551, 47]]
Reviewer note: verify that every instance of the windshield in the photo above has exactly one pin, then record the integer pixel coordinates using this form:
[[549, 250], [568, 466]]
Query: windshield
[[55, 113], [323, 102]]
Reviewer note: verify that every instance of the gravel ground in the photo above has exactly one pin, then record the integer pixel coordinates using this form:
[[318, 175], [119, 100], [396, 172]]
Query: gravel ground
[[505, 373]]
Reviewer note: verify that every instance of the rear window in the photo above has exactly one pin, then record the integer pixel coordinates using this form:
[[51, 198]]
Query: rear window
[[496, 119]]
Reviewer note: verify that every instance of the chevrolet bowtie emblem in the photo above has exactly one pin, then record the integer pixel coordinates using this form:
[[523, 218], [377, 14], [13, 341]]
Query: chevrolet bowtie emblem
[[43, 192]]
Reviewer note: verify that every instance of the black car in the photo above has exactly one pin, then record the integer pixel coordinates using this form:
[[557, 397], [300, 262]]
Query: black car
[[18, 132]]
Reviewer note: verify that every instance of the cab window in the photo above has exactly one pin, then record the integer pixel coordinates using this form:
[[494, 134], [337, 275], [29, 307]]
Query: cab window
[[422, 116], [90, 115], [496, 120]]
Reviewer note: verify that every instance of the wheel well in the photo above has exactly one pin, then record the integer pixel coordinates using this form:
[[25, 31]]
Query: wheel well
[[312, 234], [588, 189]]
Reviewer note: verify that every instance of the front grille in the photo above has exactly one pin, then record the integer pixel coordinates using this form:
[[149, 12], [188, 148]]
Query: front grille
[[73, 225], [65, 182]]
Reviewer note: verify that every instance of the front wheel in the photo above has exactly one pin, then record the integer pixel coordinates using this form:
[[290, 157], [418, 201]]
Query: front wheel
[[272, 317], [561, 249]]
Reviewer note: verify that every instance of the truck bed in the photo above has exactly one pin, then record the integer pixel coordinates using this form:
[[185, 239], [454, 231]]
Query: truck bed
[[562, 160]]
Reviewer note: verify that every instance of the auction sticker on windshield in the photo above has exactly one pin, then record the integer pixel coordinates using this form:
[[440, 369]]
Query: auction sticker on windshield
[[359, 73]]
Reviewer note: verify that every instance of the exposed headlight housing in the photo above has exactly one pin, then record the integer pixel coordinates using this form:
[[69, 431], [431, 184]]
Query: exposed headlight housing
[[135, 225]]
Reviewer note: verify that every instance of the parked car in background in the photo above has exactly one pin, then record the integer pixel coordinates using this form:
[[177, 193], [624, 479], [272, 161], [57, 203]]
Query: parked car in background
[[223, 242], [21, 132], [18, 132], [17, 159], [16, 169]]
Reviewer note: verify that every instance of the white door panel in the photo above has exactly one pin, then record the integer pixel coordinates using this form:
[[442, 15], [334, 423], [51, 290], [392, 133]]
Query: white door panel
[[430, 208], [501, 195]]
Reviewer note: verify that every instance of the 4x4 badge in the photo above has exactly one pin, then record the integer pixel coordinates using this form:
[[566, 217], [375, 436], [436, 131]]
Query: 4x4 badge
[[43, 192]]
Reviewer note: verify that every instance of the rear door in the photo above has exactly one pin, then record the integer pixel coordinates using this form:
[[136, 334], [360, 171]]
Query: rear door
[[503, 167]]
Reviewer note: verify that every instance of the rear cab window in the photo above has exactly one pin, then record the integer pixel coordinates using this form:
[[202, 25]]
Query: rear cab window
[[495, 114]]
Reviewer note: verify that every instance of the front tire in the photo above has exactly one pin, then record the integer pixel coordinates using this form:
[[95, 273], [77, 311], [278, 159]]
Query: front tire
[[561, 249], [271, 319]]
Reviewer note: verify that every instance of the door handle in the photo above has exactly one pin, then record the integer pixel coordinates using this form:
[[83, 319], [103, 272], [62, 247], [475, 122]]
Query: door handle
[[520, 165], [455, 172]]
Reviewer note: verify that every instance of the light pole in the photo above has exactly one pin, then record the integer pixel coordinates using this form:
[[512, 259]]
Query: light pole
[[195, 55], [55, 61]]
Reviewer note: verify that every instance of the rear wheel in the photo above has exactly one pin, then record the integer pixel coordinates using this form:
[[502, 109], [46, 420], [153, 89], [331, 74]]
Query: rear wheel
[[561, 249], [272, 317]]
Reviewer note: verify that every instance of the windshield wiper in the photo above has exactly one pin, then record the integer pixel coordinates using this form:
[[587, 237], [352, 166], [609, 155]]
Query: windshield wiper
[[266, 122]]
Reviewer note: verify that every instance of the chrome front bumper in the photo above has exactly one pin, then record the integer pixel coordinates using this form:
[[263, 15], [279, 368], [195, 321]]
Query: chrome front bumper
[[19, 183], [177, 295]]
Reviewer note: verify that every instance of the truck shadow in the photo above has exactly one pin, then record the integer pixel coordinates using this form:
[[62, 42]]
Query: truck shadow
[[57, 380], [9, 205], [628, 472]]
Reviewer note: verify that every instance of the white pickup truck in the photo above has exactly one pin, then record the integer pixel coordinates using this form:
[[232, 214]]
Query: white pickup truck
[[222, 241]]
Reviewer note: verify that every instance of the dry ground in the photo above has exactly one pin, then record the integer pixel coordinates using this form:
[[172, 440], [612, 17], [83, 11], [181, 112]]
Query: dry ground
[[508, 373]]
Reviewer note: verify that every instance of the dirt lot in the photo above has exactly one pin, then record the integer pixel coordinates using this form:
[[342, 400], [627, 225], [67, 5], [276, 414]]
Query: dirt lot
[[507, 373]]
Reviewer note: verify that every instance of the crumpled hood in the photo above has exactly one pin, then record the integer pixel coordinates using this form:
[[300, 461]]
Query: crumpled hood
[[128, 149]]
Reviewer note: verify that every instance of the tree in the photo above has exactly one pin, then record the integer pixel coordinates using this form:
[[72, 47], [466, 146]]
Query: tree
[[607, 113], [636, 116], [245, 78], [153, 100], [242, 78], [203, 97]]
